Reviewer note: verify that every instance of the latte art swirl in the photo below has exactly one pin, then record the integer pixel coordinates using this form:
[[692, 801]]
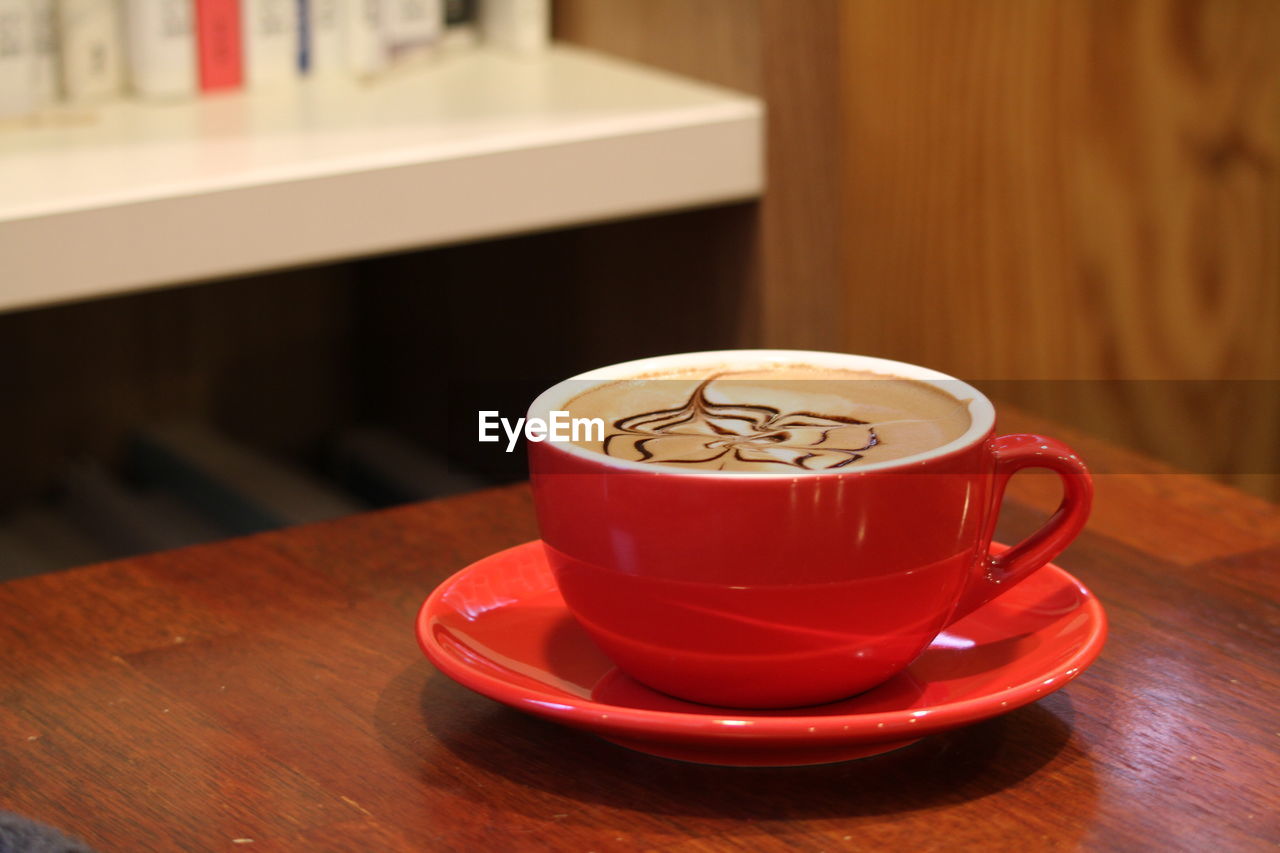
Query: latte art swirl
[[774, 418], [701, 431]]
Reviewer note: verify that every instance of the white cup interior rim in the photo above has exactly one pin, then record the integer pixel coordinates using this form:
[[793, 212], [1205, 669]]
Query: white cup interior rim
[[981, 411]]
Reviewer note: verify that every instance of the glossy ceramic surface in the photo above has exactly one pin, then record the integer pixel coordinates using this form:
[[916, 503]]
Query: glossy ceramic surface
[[756, 590], [501, 628]]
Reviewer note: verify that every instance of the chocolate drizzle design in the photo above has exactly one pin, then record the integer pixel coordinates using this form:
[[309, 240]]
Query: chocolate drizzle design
[[701, 432]]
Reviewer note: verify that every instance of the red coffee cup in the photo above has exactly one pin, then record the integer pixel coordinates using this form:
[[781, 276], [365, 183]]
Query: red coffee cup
[[783, 589]]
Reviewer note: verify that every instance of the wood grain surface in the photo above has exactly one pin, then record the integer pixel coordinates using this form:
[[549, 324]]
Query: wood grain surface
[[267, 694], [1066, 189], [803, 227], [1073, 190]]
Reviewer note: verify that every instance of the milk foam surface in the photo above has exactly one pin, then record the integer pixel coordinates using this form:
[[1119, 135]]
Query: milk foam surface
[[775, 419]]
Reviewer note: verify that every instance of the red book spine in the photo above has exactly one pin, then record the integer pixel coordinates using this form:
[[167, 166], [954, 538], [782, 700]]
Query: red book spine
[[218, 44]]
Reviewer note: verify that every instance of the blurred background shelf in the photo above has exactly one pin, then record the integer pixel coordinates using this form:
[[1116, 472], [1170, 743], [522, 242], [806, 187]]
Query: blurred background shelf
[[131, 196], [967, 191]]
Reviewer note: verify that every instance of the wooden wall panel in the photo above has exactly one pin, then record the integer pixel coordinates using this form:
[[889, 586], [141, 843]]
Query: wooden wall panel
[[802, 293], [1065, 189], [1073, 190]]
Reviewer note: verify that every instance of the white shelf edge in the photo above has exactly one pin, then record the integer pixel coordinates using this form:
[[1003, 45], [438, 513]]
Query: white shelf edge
[[684, 145]]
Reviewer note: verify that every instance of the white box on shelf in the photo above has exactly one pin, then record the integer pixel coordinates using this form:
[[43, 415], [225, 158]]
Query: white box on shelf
[[411, 28], [363, 46], [324, 36], [45, 35], [522, 27], [160, 41], [90, 49], [270, 37], [17, 59]]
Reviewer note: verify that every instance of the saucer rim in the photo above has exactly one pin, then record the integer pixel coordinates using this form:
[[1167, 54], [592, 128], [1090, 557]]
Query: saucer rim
[[742, 724]]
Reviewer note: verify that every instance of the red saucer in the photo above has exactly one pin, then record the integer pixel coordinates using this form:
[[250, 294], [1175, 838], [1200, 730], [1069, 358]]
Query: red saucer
[[501, 628]]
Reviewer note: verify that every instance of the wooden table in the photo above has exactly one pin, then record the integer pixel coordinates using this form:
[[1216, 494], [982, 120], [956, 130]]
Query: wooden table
[[267, 694]]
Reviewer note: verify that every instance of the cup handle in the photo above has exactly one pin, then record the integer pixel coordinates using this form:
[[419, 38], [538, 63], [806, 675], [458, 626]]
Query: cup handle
[[997, 572]]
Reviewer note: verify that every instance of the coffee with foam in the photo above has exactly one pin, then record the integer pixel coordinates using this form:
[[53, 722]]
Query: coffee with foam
[[769, 419]]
